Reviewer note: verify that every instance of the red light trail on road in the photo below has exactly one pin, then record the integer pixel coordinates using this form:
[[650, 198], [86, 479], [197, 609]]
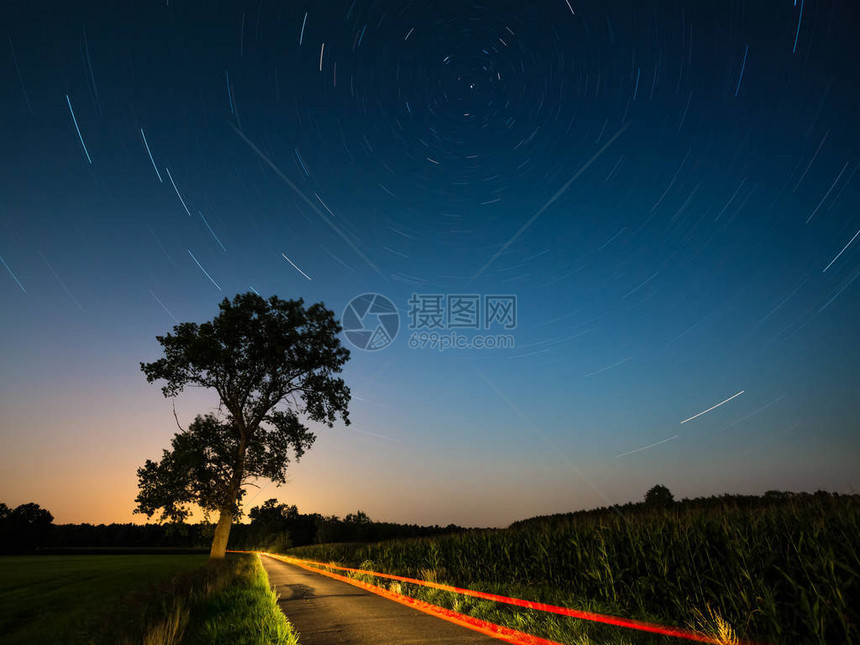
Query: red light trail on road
[[675, 632], [489, 629]]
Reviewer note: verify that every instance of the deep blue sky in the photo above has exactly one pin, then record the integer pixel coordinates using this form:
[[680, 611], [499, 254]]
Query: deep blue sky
[[670, 189]]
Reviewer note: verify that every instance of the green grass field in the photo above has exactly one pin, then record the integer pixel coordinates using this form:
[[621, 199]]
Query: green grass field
[[138, 599], [54, 599], [781, 574]]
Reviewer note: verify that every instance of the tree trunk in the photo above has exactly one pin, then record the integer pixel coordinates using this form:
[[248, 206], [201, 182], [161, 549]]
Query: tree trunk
[[225, 521], [222, 533]]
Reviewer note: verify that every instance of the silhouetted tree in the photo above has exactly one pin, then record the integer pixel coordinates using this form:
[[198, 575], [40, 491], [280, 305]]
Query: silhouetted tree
[[24, 528], [359, 517], [273, 514], [327, 529], [257, 355], [202, 465], [660, 496], [272, 525]]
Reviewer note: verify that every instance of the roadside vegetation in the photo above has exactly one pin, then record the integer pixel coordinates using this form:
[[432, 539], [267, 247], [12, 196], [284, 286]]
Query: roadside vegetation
[[779, 569], [138, 600], [240, 608]]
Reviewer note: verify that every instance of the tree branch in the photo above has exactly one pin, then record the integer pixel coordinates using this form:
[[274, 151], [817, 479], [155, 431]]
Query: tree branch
[[176, 417]]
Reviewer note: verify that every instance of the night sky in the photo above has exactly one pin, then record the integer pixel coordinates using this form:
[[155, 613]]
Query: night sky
[[669, 189]]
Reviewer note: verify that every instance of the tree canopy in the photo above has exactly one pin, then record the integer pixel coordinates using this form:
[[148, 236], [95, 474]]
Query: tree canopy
[[659, 495], [24, 527], [271, 362], [204, 460]]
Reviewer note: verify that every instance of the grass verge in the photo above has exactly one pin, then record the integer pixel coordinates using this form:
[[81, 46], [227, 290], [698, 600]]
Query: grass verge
[[243, 612]]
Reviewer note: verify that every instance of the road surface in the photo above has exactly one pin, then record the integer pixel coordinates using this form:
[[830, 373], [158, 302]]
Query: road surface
[[330, 612]]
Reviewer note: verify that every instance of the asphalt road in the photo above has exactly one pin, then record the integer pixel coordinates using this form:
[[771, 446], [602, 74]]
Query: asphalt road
[[330, 612]]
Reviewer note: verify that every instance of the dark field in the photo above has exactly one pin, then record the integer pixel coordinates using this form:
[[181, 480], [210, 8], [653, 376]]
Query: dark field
[[139, 599], [58, 598]]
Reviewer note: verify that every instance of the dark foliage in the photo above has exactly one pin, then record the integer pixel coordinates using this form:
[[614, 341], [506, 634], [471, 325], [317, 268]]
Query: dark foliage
[[659, 496], [204, 460], [273, 527], [272, 363], [276, 527], [24, 528], [115, 537], [772, 498]]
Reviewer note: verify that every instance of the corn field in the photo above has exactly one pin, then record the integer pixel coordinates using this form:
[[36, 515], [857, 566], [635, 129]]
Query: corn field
[[782, 574]]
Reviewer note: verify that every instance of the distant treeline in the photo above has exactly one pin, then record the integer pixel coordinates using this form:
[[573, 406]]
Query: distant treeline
[[273, 527], [129, 536], [660, 497]]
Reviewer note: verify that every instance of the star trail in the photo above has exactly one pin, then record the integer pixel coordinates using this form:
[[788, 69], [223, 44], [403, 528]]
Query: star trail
[[668, 190]]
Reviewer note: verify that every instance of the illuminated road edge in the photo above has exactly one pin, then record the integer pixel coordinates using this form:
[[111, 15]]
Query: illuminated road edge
[[484, 627]]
